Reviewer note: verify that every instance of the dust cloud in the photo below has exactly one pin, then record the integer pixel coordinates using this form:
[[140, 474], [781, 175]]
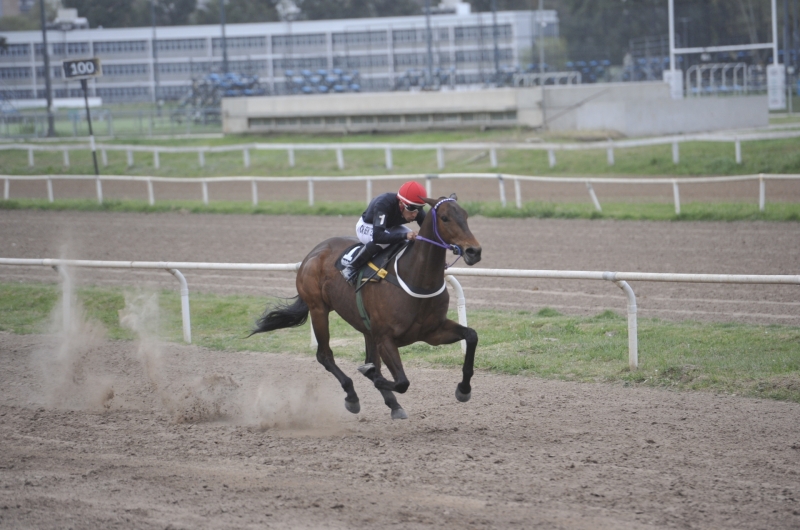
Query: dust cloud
[[195, 393], [71, 365]]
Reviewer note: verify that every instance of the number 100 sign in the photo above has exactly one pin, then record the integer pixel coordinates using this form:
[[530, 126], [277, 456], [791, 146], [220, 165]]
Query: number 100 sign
[[82, 68]]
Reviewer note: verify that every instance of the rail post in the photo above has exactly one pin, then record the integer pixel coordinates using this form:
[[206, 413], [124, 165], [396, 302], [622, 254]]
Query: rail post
[[290, 152], [6, 189], [254, 188], [151, 197], [66, 157], [551, 157], [676, 154], [501, 183], [493, 157], [30, 157], [99, 188], [762, 193], [610, 153], [201, 158], [339, 158], [369, 191], [156, 159], [633, 325], [49, 189], [738, 151], [676, 195], [461, 305], [104, 157], [428, 179], [518, 194], [246, 155], [389, 158], [186, 317], [440, 157], [204, 183], [130, 158], [311, 192], [593, 196], [66, 297]]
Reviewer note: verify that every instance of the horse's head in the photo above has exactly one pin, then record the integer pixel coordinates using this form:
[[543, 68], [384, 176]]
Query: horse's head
[[452, 227]]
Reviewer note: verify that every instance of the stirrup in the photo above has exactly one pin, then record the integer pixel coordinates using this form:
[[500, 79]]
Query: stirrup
[[350, 275]]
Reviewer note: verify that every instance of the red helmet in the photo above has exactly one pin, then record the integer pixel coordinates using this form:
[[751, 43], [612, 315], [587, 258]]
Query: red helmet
[[412, 192]]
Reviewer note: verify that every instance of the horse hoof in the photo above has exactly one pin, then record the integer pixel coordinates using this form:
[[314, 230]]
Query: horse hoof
[[399, 414], [366, 368], [463, 398], [354, 407]]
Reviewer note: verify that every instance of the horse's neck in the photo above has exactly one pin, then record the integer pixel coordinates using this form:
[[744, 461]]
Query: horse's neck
[[423, 264]]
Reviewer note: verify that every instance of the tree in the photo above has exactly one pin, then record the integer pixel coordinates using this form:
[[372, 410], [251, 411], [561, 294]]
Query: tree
[[174, 12], [325, 9], [112, 13], [237, 11]]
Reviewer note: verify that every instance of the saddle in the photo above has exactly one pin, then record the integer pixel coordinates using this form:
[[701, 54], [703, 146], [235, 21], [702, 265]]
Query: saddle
[[378, 267]]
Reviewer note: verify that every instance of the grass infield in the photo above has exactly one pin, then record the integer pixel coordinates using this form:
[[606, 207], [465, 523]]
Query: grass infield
[[742, 359], [693, 211]]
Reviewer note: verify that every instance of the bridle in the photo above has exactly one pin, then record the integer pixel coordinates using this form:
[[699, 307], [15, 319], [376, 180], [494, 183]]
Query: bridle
[[441, 243]]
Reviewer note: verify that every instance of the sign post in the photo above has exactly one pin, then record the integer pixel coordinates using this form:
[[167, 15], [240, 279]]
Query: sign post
[[84, 69]]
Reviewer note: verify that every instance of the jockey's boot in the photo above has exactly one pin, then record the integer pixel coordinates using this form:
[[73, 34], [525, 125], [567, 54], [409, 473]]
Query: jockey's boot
[[350, 272]]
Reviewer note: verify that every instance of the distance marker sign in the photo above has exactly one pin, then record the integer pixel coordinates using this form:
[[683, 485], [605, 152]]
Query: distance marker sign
[[82, 68]]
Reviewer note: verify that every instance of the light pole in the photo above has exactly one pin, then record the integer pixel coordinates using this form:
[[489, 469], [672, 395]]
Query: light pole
[[51, 130], [541, 38], [224, 42], [156, 89], [494, 37], [429, 39]]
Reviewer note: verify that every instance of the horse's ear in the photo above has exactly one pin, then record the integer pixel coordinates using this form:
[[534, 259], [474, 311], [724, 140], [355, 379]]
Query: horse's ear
[[454, 196]]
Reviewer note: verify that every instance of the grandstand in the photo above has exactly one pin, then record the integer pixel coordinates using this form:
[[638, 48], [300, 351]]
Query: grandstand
[[387, 54]]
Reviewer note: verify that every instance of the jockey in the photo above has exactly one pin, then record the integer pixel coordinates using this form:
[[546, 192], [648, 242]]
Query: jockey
[[383, 223]]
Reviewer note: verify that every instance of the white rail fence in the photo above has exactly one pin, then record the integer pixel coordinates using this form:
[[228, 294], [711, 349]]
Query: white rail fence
[[620, 279], [388, 148], [501, 179]]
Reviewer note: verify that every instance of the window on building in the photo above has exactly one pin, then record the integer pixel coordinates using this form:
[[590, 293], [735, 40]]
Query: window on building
[[15, 72], [126, 70], [112, 47], [15, 50], [311, 40], [180, 45], [239, 43]]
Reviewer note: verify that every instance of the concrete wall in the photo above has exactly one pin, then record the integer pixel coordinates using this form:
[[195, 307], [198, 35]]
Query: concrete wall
[[632, 109], [646, 109], [526, 103]]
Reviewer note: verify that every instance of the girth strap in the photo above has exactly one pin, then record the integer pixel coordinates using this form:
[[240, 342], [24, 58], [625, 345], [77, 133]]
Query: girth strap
[[362, 312]]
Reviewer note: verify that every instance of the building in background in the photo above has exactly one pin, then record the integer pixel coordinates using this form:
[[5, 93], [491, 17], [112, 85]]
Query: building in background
[[10, 8], [469, 47]]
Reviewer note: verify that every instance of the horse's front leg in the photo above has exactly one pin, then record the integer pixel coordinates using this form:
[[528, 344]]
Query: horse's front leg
[[449, 333], [319, 321], [372, 371]]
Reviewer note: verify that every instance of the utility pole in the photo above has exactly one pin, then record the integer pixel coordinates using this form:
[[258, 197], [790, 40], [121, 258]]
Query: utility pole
[[429, 39], [541, 38], [224, 42], [156, 88], [494, 37], [51, 129]]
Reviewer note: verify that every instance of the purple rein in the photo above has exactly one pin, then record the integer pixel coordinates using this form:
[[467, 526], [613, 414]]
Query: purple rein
[[441, 243]]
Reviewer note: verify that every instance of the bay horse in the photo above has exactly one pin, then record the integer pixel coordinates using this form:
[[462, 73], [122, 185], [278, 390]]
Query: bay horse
[[395, 317]]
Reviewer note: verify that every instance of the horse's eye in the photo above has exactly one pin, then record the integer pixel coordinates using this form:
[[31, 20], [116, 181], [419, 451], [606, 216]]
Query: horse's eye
[[445, 218]]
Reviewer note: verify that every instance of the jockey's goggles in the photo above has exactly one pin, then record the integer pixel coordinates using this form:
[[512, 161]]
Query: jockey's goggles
[[412, 207]]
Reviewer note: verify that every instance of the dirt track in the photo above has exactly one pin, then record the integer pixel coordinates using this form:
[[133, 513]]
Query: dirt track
[[104, 434]]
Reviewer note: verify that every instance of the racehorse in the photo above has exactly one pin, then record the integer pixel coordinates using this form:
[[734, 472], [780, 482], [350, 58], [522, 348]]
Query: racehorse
[[395, 317]]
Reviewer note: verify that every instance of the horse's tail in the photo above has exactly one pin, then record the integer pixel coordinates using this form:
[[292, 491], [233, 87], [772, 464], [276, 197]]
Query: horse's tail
[[282, 315]]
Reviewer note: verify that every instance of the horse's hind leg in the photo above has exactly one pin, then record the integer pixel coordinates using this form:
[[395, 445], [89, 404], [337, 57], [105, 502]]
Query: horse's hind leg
[[319, 321], [372, 371]]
